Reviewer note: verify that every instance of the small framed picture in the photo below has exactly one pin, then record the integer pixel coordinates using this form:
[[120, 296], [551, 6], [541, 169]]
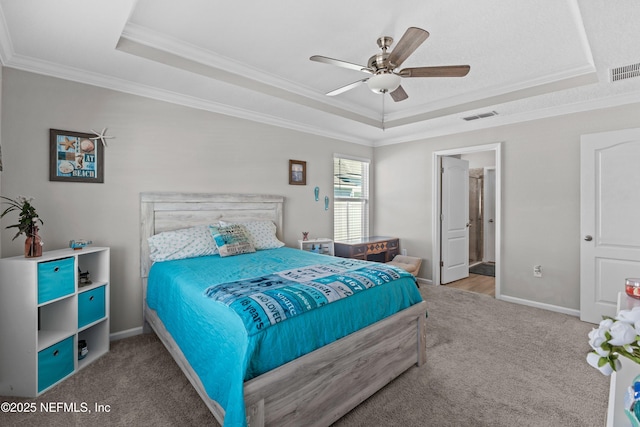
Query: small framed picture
[[297, 172], [75, 157]]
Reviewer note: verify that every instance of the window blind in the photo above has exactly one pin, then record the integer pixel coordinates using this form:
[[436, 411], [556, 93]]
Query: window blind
[[351, 198]]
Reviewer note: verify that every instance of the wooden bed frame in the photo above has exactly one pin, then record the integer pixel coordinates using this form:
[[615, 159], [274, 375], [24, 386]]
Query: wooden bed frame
[[313, 390]]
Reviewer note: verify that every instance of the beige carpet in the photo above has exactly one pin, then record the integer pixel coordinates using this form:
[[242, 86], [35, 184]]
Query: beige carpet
[[490, 363]]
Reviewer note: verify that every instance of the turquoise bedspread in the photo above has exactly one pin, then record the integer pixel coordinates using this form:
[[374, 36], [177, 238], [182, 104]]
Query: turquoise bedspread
[[213, 337]]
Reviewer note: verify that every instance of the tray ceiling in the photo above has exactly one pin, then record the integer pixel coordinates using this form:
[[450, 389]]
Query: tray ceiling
[[251, 59]]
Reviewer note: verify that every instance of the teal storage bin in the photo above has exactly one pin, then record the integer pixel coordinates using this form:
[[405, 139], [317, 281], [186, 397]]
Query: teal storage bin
[[55, 363], [91, 306], [55, 279]]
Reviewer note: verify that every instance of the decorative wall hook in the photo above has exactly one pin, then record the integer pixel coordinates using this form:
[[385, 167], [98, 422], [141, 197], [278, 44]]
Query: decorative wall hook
[[326, 203], [316, 191]]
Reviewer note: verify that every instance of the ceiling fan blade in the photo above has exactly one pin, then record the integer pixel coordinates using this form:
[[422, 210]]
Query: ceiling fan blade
[[399, 94], [339, 63], [409, 42], [442, 71], [346, 88]]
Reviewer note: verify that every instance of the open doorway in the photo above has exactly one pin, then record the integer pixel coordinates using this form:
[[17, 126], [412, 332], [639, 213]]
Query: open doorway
[[490, 225]]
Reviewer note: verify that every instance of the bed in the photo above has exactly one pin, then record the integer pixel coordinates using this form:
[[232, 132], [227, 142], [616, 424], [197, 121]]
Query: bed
[[315, 388]]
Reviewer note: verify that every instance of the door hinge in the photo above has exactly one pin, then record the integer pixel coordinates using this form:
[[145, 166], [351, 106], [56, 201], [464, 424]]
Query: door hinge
[[441, 263], [441, 217], [441, 170]]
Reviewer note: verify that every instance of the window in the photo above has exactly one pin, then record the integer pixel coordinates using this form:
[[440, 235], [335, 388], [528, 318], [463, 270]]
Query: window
[[350, 198]]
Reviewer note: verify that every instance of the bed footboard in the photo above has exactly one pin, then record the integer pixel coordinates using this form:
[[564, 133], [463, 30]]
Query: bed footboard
[[320, 387]]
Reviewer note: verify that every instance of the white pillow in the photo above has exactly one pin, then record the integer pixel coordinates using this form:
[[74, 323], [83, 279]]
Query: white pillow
[[179, 244], [262, 234]]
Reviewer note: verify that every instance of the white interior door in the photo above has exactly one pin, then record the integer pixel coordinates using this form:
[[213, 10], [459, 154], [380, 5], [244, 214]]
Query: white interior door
[[489, 215], [454, 220], [610, 202]]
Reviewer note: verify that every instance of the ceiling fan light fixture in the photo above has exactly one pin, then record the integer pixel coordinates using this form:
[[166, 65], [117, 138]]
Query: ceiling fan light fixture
[[383, 82]]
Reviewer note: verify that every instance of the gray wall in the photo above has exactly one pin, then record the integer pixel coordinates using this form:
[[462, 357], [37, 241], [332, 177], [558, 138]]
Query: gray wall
[[158, 147], [164, 147], [540, 198]]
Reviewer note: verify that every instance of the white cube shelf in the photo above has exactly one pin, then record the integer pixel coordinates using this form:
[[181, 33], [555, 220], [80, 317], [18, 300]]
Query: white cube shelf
[[40, 302]]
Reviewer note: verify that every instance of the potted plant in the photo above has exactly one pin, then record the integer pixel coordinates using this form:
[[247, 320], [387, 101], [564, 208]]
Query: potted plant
[[27, 224]]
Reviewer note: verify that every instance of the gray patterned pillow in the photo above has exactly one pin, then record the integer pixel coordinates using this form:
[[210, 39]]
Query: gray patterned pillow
[[231, 240], [262, 234]]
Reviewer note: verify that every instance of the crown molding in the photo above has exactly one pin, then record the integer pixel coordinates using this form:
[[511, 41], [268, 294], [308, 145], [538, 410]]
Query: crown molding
[[579, 75], [120, 85], [496, 121]]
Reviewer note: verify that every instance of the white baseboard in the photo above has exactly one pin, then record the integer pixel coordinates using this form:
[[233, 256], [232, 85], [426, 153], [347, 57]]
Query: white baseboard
[[125, 334], [558, 309], [550, 307], [422, 281]]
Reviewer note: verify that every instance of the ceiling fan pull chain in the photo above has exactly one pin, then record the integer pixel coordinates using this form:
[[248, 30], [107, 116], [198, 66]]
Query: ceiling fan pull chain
[[382, 121]]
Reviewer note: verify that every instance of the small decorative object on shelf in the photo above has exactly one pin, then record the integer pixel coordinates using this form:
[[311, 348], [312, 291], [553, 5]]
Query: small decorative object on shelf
[[27, 225], [33, 244], [83, 350], [632, 287], [83, 278], [305, 235], [79, 244]]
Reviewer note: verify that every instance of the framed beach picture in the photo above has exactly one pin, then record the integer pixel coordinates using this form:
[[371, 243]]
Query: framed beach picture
[[75, 157], [297, 172]]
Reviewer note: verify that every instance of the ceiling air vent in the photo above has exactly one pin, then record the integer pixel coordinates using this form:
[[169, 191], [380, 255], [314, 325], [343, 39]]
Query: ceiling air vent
[[625, 72], [480, 116]]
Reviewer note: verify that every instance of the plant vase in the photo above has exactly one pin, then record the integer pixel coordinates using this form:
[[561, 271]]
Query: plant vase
[[33, 244]]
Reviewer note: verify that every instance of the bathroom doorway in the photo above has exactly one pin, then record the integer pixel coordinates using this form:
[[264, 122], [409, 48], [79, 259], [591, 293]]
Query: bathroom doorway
[[486, 227]]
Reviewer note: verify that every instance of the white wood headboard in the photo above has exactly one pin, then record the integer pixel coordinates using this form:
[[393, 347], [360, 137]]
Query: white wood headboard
[[170, 211]]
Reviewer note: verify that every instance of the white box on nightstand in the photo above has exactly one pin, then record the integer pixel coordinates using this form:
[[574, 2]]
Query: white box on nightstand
[[318, 246]]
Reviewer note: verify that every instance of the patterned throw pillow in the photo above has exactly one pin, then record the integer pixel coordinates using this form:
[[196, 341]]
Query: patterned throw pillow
[[262, 234], [179, 244], [231, 240]]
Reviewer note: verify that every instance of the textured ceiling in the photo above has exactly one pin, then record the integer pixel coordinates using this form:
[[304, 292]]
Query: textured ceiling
[[251, 59]]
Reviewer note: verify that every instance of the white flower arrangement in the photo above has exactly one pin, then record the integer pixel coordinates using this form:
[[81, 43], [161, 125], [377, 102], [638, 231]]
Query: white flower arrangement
[[619, 336]]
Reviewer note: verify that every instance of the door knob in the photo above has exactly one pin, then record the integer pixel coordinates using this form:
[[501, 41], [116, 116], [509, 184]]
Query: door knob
[[588, 238]]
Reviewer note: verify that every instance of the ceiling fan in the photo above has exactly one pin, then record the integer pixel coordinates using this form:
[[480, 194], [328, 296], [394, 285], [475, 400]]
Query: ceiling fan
[[383, 66]]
